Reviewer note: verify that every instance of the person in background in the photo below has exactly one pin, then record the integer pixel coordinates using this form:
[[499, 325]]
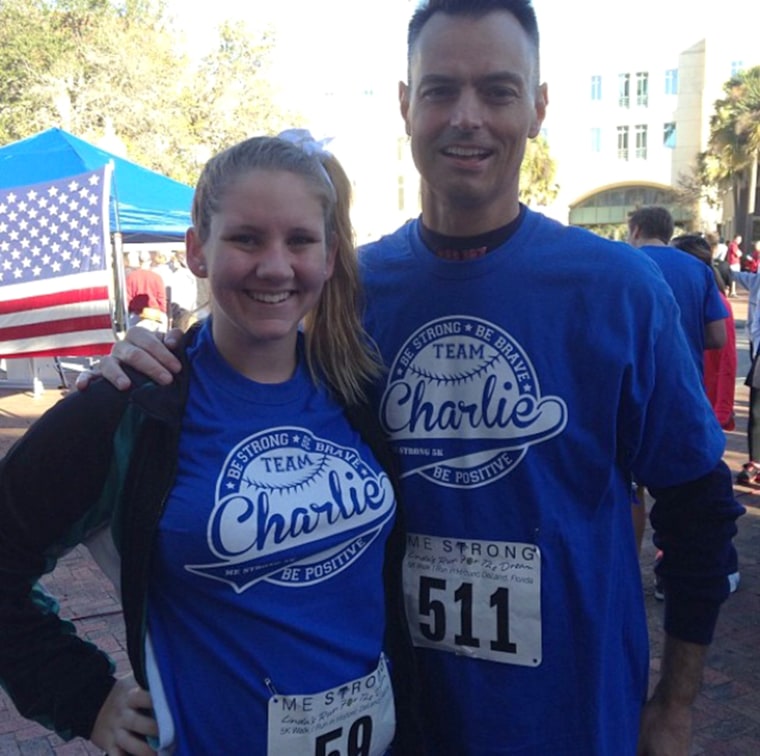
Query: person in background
[[734, 260], [751, 282], [159, 262], [701, 311], [720, 365], [750, 472], [750, 259], [519, 413], [703, 314], [131, 261], [247, 510], [184, 292], [719, 251], [146, 295]]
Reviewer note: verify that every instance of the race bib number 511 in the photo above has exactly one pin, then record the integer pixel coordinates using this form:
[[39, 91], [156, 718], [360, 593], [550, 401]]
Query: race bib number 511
[[475, 598]]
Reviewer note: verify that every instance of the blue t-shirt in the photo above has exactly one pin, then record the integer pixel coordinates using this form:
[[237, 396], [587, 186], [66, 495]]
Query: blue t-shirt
[[524, 389], [267, 571]]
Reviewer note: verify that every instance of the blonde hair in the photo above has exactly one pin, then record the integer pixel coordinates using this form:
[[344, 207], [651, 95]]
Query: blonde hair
[[338, 350]]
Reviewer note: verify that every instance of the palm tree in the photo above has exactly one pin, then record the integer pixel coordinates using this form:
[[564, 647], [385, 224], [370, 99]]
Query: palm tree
[[733, 152]]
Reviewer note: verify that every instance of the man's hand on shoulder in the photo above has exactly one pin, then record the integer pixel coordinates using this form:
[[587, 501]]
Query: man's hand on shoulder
[[142, 350]]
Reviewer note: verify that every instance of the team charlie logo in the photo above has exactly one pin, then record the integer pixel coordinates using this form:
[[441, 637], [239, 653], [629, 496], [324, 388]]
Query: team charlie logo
[[463, 404], [294, 509]]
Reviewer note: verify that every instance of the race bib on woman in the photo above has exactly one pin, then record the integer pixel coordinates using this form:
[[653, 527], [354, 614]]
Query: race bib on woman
[[353, 719]]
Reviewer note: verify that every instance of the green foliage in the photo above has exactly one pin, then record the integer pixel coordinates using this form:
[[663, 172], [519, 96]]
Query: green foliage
[[734, 143], [692, 187], [230, 95], [617, 232], [91, 65], [730, 163], [25, 51], [537, 174]]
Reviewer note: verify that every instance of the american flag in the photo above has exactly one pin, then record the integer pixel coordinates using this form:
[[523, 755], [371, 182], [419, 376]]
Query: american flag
[[54, 271]]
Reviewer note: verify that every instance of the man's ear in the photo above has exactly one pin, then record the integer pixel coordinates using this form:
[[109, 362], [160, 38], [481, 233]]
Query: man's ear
[[540, 102], [403, 101], [196, 260]]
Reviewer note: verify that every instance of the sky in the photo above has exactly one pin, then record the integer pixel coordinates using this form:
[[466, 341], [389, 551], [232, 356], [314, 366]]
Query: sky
[[324, 32], [318, 35], [359, 42], [586, 29]]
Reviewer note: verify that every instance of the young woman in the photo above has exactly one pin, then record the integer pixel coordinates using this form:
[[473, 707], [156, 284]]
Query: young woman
[[248, 507]]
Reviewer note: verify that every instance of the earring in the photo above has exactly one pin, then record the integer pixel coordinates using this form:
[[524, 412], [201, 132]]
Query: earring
[[202, 268]]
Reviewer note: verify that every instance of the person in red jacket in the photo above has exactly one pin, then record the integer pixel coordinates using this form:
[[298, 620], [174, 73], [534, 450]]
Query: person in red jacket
[[720, 364], [146, 296]]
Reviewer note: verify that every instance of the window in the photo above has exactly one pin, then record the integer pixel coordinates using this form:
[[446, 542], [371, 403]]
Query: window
[[641, 142], [671, 81], [642, 89], [624, 90], [737, 66], [669, 135], [622, 142], [596, 139], [596, 87]]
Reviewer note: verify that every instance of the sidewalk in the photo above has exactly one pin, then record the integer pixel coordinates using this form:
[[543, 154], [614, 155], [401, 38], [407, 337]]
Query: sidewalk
[[727, 713]]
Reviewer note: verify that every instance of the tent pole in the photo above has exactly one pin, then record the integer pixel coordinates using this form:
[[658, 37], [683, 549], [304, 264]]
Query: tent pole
[[120, 293]]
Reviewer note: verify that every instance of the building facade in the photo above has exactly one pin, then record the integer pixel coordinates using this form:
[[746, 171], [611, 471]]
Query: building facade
[[639, 121]]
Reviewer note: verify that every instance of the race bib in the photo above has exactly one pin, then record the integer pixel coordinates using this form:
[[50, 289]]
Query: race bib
[[475, 598], [354, 719]]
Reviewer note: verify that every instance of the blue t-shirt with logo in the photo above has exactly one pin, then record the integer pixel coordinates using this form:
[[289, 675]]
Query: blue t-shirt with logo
[[266, 608], [524, 389]]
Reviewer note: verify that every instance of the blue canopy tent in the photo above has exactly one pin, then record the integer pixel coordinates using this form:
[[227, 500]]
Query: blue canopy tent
[[145, 206]]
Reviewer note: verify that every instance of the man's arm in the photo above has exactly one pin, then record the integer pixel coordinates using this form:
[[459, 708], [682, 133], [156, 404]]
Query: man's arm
[[743, 277], [694, 525], [667, 719], [142, 350], [715, 334]]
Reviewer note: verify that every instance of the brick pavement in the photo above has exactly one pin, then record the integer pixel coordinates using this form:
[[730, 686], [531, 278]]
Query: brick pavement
[[727, 713]]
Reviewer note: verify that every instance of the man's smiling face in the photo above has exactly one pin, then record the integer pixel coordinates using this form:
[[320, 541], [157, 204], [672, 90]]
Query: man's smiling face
[[472, 102]]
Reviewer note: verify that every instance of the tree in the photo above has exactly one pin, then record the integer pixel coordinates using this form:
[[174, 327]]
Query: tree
[[730, 162], [537, 174], [26, 50], [89, 66], [79, 63], [615, 231], [230, 95]]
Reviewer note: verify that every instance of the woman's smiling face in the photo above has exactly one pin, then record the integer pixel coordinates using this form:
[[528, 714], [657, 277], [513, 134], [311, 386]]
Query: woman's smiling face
[[267, 258]]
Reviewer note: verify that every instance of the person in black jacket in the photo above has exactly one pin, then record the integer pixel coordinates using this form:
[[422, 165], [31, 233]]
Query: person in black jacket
[[247, 512]]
